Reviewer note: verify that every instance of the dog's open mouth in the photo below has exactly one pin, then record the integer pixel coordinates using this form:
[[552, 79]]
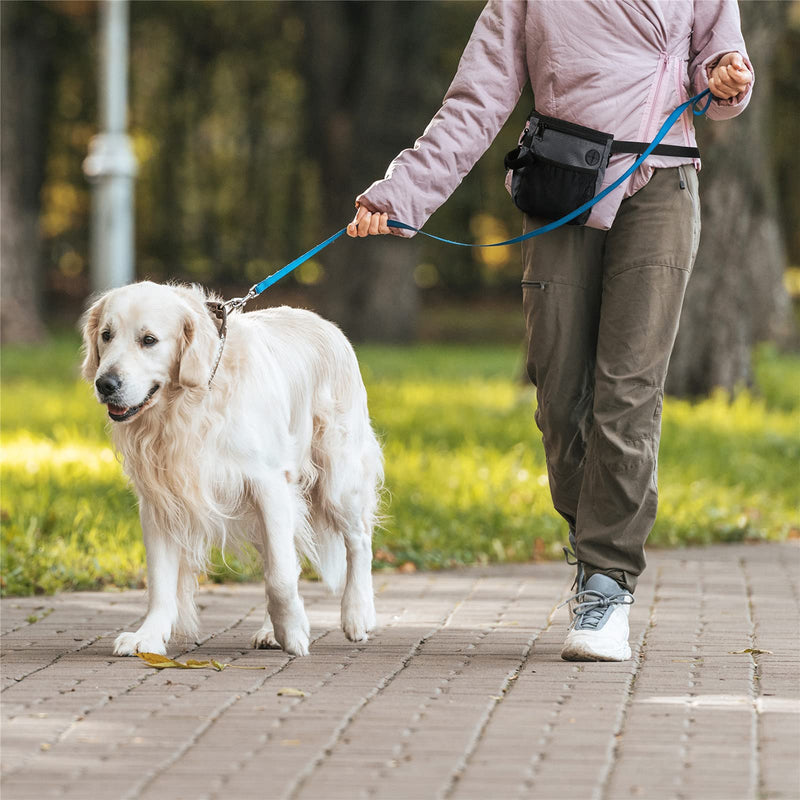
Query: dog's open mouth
[[119, 414]]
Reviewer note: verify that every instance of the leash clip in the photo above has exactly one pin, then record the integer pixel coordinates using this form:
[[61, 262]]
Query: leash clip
[[221, 312], [236, 303]]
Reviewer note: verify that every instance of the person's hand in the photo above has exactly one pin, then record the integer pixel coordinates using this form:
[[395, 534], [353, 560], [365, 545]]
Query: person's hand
[[730, 77], [368, 223]]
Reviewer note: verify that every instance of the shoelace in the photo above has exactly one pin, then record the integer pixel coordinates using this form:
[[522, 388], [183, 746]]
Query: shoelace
[[590, 612], [568, 553]]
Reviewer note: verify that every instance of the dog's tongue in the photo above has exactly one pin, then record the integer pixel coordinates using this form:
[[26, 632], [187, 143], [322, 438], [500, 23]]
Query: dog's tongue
[[116, 410]]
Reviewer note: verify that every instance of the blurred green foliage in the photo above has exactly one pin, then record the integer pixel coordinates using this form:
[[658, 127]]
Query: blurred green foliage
[[227, 188], [465, 472]]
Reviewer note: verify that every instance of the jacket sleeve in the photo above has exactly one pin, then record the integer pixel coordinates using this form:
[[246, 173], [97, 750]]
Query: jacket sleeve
[[490, 78], [717, 30]]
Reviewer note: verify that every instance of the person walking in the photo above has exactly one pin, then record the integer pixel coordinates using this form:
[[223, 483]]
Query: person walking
[[601, 300]]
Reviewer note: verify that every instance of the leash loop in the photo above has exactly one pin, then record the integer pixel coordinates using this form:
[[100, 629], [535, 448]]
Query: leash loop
[[696, 102]]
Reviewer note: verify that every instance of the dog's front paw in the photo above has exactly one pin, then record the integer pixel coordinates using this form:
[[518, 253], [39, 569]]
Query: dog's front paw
[[293, 640], [358, 619], [264, 639], [128, 644]]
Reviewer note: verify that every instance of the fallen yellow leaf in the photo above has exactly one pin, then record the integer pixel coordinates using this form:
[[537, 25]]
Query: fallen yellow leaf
[[162, 662]]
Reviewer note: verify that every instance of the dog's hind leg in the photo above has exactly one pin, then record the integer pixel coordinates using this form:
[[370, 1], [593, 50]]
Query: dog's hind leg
[[163, 566], [345, 498], [358, 603], [264, 637], [356, 506], [280, 513], [186, 624]]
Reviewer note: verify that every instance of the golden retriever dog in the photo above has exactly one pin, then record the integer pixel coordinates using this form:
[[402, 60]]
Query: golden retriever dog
[[277, 450]]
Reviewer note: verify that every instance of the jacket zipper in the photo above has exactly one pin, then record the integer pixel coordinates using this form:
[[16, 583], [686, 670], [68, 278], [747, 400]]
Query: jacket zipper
[[687, 138], [655, 108], [535, 284]]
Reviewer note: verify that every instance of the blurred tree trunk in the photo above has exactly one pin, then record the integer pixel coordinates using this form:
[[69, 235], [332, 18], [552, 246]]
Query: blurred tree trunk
[[24, 34], [365, 67], [736, 296]]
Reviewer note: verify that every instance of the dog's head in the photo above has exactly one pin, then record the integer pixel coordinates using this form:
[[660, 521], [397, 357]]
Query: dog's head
[[144, 338]]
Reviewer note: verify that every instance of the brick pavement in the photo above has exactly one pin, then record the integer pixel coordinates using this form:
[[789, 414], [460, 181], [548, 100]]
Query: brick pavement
[[460, 694]]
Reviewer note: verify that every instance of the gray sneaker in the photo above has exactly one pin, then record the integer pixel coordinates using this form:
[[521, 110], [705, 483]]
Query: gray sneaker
[[599, 629]]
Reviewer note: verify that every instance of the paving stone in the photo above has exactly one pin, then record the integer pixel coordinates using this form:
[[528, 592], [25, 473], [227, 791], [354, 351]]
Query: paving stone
[[461, 693]]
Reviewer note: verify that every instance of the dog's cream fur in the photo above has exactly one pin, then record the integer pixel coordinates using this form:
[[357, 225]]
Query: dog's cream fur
[[278, 451]]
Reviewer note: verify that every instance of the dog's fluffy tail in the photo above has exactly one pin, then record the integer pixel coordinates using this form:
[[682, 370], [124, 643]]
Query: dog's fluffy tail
[[326, 553], [331, 560]]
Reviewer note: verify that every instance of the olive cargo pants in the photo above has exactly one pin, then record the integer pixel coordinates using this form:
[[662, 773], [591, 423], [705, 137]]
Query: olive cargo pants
[[602, 311]]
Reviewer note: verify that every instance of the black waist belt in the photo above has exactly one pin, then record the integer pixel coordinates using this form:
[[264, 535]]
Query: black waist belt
[[659, 150]]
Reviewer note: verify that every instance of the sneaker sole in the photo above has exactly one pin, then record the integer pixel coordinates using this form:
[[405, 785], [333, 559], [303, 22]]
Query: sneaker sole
[[582, 651]]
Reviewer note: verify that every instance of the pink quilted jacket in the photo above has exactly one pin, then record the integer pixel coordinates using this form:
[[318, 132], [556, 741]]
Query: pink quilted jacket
[[619, 66]]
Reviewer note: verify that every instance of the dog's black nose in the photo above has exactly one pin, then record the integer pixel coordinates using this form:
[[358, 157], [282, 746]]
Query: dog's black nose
[[108, 384]]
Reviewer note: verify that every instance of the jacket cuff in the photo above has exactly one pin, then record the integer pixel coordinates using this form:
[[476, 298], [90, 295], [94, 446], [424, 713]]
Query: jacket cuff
[[731, 106], [375, 199]]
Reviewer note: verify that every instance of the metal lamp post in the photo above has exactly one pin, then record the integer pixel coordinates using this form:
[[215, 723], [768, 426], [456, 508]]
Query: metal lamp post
[[111, 165]]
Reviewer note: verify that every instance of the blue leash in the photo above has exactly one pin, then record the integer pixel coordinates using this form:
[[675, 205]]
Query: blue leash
[[669, 122], [258, 288]]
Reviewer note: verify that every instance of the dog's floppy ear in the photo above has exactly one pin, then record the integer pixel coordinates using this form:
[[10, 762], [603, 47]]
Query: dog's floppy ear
[[90, 324], [198, 349]]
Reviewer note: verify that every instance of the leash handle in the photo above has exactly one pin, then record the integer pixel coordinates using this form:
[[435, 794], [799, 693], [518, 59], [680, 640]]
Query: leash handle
[[662, 132]]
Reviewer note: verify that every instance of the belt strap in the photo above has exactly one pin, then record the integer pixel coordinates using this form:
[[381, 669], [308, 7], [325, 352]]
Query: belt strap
[[658, 150]]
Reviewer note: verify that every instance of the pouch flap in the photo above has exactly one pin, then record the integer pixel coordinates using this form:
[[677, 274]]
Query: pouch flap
[[567, 143]]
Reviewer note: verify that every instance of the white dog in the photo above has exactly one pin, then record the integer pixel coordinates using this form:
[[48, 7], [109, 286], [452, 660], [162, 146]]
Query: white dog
[[277, 450]]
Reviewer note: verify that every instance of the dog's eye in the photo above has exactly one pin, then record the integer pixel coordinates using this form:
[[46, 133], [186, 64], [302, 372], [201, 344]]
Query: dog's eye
[[106, 336], [148, 340]]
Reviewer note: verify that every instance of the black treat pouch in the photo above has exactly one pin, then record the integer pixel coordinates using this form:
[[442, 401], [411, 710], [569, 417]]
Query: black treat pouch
[[557, 167]]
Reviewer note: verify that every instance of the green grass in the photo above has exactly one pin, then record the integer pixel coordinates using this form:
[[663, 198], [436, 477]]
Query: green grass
[[465, 470]]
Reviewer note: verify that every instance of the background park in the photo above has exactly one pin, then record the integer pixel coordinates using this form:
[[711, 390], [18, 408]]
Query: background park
[[254, 125]]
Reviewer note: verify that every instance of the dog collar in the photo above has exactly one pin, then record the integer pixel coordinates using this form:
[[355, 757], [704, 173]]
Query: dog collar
[[220, 311]]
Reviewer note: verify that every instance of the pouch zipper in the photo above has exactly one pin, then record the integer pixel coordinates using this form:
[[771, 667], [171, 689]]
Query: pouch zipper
[[535, 284], [525, 131], [535, 129]]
